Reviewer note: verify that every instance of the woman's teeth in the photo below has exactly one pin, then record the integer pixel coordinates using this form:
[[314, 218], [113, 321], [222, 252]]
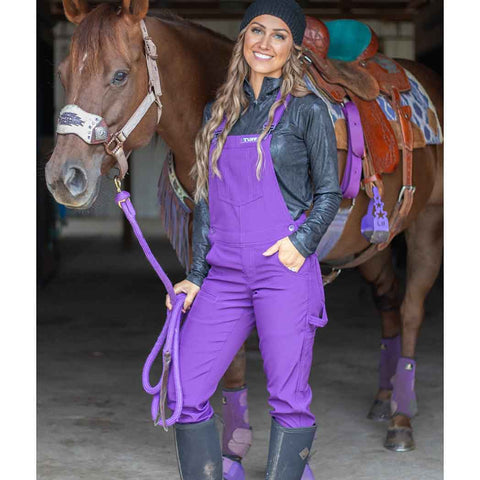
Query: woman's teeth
[[261, 56]]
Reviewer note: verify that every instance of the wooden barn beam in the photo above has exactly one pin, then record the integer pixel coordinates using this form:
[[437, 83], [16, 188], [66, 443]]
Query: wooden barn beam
[[224, 9]]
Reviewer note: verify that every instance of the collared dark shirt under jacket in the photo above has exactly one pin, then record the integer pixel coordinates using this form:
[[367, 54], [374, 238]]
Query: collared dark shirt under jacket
[[304, 154]]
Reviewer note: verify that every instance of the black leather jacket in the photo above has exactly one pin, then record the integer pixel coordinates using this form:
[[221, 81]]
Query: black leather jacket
[[304, 154]]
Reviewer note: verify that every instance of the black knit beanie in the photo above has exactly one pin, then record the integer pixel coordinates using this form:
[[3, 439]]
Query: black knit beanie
[[288, 10]]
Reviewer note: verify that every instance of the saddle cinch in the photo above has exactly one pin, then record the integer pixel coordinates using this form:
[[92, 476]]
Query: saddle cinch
[[344, 64]]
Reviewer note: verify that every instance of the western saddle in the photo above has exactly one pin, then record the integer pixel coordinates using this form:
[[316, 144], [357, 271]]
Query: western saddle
[[344, 63]]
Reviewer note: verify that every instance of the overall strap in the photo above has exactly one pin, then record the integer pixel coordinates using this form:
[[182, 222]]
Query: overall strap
[[276, 118], [279, 111], [220, 128]]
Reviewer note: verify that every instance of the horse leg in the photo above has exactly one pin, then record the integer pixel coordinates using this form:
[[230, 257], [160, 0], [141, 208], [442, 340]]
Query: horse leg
[[237, 433], [424, 239], [235, 375], [379, 272]]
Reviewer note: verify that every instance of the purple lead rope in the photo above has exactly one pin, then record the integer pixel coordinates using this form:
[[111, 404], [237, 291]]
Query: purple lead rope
[[169, 336]]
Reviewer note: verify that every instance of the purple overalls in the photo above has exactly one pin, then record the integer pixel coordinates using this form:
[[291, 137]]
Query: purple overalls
[[244, 289]]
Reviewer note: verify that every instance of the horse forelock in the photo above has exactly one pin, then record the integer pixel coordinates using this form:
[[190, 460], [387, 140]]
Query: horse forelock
[[102, 31]]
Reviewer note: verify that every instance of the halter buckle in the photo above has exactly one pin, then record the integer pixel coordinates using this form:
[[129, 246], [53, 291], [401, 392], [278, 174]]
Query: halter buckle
[[118, 139], [411, 188], [150, 48]]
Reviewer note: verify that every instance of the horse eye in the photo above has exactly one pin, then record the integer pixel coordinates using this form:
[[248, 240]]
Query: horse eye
[[119, 77]]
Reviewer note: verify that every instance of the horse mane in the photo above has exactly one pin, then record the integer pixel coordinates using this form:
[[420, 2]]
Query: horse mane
[[103, 28], [169, 16]]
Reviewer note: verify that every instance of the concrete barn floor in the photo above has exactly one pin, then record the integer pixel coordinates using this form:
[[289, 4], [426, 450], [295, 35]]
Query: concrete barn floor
[[100, 316]]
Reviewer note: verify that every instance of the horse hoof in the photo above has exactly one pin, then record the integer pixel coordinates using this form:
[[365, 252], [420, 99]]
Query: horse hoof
[[380, 411], [399, 439], [232, 470], [307, 473]]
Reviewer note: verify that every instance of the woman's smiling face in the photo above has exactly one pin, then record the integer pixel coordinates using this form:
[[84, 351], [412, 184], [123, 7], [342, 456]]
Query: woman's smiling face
[[267, 46]]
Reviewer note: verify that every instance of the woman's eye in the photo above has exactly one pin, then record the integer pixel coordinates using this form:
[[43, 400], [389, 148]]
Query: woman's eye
[[119, 78], [256, 30], [279, 36]]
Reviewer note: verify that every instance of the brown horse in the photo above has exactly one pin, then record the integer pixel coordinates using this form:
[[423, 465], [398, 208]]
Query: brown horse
[[192, 62]]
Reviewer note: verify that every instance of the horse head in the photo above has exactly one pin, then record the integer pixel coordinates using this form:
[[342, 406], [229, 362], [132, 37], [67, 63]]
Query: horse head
[[105, 78]]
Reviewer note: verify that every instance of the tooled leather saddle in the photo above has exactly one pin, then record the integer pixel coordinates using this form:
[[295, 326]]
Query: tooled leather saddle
[[344, 63]]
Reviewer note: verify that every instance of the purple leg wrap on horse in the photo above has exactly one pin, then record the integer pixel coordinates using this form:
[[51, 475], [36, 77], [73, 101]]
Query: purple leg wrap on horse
[[237, 433], [232, 470], [307, 473], [390, 350], [404, 400]]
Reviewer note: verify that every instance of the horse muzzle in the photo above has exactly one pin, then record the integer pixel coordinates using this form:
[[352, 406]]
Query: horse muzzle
[[73, 185]]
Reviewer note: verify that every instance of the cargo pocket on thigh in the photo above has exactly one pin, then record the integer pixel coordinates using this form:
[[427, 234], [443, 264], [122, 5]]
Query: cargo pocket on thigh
[[321, 320], [306, 355]]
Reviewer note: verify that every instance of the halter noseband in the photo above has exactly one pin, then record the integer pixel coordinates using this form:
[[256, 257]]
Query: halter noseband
[[93, 129]]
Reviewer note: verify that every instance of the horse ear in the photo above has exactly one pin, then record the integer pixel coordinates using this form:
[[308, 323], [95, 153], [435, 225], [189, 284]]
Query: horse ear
[[75, 10], [136, 9]]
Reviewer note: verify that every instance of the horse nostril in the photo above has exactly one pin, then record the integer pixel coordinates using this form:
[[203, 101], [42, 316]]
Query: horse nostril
[[75, 180]]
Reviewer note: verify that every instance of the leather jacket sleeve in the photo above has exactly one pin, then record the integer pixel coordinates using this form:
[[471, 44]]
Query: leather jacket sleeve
[[201, 226], [319, 137], [200, 243]]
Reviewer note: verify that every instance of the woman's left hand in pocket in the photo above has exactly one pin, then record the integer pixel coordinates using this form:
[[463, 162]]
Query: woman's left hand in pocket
[[287, 254]]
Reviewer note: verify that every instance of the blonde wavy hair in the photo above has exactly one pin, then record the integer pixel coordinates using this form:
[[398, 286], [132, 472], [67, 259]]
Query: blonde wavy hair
[[232, 102]]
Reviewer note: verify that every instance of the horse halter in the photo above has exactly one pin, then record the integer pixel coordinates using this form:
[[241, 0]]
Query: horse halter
[[93, 129]]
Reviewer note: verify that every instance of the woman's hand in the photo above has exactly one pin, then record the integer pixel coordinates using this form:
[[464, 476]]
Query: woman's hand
[[185, 286], [287, 254]]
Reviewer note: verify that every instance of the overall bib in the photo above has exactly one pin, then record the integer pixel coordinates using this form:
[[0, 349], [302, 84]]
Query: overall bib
[[244, 289]]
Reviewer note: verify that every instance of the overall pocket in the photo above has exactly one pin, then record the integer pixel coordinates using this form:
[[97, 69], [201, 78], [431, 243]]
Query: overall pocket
[[239, 184], [245, 189], [304, 269], [319, 320], [318, 297], [306, 355], [206, 294], [207, 291]]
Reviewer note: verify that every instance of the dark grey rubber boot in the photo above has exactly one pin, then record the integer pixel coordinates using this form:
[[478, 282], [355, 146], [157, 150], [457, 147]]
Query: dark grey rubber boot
[[198, 451], [288, 451]]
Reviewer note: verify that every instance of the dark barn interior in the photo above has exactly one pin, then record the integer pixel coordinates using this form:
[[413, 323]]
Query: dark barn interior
[[100, 307]]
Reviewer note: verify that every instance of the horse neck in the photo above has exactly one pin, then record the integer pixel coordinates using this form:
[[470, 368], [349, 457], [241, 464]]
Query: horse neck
[[190, 77]]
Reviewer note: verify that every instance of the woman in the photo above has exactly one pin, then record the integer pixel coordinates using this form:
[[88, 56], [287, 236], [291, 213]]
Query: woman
[[266, 150]]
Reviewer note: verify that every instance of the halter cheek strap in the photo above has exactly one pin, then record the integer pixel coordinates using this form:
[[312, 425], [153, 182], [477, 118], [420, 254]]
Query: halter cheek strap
[[93, 129]]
